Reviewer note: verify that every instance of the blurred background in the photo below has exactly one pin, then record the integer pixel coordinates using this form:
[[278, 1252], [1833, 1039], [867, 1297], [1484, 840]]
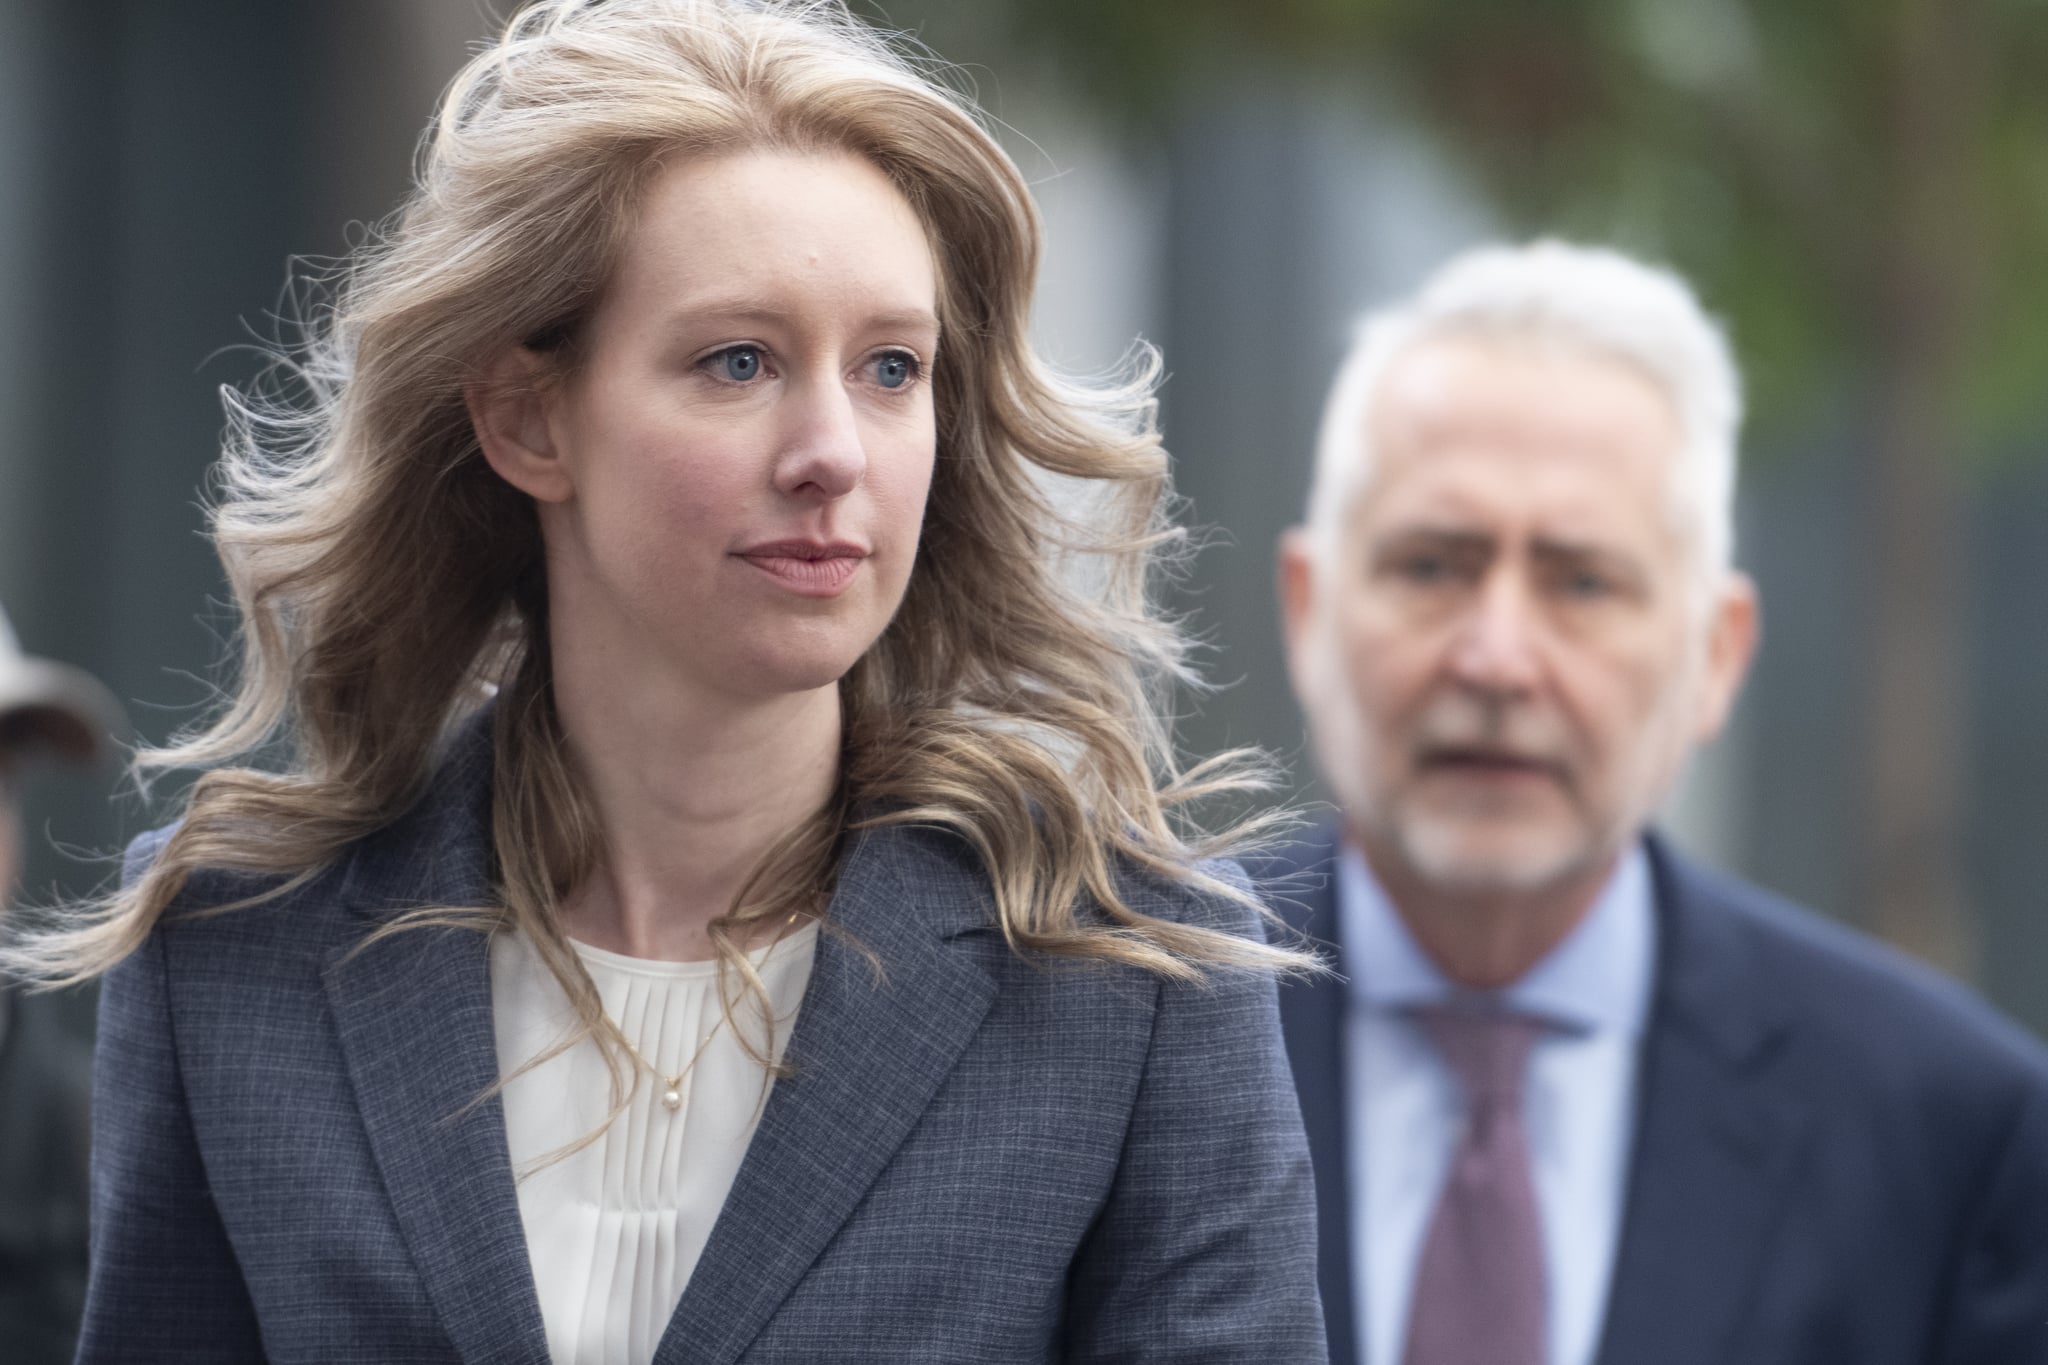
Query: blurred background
[[1858, 187]]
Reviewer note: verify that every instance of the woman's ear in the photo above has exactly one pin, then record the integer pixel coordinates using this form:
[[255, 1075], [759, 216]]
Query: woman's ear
[[510, 409]]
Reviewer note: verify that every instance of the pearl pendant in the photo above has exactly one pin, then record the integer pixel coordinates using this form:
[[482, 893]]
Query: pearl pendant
[[672, 1098]]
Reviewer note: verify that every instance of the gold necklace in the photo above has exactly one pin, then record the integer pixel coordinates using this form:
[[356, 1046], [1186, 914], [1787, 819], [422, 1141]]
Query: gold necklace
[[672, 1086]]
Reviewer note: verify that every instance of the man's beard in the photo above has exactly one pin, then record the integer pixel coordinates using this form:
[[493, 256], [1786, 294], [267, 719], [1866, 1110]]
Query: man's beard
[[1446, 848], [1439, 849]]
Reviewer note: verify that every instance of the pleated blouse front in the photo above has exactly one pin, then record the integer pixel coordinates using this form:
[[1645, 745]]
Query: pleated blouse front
[[614, 1230]]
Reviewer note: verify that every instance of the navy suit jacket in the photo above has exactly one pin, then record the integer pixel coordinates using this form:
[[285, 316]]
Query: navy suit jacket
[[1839, 1157], [977, 1158]]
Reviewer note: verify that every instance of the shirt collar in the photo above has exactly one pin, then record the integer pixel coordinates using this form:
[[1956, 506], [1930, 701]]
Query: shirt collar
[[1596, 980]]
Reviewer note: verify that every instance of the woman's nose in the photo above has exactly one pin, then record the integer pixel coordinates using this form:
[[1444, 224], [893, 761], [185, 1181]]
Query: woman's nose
[[824, 456]]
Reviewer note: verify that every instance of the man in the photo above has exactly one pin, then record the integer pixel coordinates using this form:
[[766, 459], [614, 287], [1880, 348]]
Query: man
[[45, 709], [1575, 1099]]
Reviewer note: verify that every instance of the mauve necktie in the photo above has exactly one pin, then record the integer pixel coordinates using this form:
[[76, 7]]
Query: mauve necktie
[[1479, 1289]]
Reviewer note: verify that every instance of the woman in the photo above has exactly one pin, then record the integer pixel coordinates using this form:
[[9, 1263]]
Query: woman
[[718, 904]]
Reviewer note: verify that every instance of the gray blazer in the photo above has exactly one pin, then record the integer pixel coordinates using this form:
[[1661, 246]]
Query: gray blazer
[[977, 1158]]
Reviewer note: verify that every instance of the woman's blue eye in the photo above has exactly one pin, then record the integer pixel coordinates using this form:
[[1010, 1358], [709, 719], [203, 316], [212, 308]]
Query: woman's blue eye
[[893, 371], [740, 363]]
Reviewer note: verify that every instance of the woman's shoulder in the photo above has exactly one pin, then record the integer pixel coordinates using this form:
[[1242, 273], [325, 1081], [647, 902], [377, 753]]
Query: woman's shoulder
[[435, 851], [306, 911], [1211, 893], [202, 887], [227, 904], [142, 851], [955, 883]]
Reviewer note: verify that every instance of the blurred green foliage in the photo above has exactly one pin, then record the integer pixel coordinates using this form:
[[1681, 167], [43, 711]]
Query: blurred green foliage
[[1826, 171], [1858, 187]]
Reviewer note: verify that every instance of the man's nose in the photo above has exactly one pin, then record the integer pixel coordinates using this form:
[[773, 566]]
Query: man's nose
[[1498, 645], [823, 455]]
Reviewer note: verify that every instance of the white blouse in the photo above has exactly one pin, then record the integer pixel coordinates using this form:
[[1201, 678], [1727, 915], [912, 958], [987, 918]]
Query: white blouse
[[614, 1230]]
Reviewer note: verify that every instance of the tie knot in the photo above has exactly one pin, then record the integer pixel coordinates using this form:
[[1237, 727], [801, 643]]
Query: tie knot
[[1487, 1049]]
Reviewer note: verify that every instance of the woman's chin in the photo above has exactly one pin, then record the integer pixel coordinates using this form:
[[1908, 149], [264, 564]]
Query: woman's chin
[[789, 671]]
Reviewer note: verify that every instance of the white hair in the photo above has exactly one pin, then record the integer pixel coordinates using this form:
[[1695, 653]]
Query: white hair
[[1550, 291]]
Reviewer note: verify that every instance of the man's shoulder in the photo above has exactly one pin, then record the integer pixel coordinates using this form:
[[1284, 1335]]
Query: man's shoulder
[[1296, 879], [1837, 985]]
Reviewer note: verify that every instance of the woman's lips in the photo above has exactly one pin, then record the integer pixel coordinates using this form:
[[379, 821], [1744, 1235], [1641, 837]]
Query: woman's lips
[[807, 567]]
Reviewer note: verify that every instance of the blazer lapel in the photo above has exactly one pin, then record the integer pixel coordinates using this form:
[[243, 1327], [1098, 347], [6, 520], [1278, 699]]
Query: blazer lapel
[[413, 1012], [891, 1003], [1716, 1144]]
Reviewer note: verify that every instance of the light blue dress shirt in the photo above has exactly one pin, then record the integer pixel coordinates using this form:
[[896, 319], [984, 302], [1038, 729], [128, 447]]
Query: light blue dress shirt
[[1405, 1109]]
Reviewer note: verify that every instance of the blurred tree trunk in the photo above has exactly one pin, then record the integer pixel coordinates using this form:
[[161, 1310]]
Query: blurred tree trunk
[[1916, 712]]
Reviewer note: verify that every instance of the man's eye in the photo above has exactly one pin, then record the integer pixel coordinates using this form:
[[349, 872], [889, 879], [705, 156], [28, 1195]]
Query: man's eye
[[737, 363], [894, 369], [1587, 585], [1424, 569]]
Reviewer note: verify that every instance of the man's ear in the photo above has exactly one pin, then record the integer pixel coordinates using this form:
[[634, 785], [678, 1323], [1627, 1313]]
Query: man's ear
[[1297, 574], [1732, 635], [510, 408]]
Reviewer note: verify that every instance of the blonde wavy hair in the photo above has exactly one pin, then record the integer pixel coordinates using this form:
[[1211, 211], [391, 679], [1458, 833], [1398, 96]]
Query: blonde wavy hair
[[389, 582]]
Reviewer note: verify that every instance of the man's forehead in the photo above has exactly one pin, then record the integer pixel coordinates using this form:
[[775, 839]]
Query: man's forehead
[[1477, 495], [1481, 435], [1503, 391]]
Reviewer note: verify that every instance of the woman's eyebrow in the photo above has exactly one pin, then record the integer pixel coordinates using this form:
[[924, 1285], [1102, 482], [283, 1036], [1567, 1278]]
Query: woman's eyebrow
[[906, 320], [755, 310]]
